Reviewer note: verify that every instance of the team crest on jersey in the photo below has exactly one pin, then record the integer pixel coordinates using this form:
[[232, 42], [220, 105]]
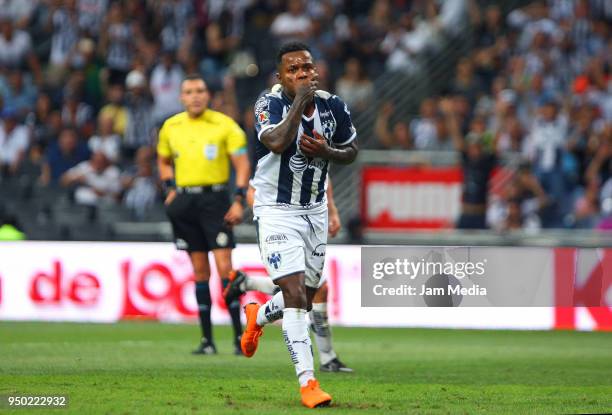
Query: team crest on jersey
[[329, 128], [274, 259]]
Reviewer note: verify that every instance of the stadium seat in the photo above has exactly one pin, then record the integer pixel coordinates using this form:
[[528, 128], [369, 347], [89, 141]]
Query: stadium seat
[[109, 215], [66, 214], [89, 232]]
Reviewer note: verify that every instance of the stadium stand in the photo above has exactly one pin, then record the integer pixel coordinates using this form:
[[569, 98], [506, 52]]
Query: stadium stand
[[418, 74]]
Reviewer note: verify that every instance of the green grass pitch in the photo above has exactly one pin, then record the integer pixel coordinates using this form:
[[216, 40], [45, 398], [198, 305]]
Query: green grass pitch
[[143, 367]]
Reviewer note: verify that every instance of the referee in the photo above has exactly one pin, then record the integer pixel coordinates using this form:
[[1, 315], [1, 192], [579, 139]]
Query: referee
[[194, 153]]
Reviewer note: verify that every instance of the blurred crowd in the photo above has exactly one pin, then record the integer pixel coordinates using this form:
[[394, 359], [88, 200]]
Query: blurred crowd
[[85, 85], [537, 86]]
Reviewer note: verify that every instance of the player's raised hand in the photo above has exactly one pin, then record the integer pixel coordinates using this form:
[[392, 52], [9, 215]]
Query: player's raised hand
[[305, 89], [315, 147]]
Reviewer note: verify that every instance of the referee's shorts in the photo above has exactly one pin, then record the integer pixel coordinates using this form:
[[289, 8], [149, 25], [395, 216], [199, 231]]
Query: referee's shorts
[[196, 215]]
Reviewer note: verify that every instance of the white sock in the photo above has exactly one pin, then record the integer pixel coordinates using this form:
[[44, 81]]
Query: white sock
[[263, 284], [297, 339], [322, 333], [272, 310]]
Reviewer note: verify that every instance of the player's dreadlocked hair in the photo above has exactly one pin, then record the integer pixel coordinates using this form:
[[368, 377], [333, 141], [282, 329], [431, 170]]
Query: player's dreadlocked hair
[[290, 47]]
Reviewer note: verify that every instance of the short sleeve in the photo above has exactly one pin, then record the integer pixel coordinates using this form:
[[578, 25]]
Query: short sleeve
[[268, 113], [163, 145], [345, 130], [236, 138]]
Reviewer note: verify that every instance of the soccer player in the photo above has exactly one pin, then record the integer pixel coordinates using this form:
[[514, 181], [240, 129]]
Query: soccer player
[[319, 323], [195, 150], [301, 130]]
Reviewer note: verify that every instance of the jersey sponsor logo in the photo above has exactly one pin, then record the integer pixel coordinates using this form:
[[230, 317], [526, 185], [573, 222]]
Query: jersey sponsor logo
[[211, 151], [298, 163], [277, 238], [222, 239], [274, 259], [319, 250], [317, 164]]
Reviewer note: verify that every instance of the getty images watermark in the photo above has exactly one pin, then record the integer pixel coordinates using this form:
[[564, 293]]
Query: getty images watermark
[[455, 277]]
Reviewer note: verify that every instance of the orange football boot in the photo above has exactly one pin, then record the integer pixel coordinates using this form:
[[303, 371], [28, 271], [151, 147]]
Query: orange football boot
[[313, 396], [252, 331]]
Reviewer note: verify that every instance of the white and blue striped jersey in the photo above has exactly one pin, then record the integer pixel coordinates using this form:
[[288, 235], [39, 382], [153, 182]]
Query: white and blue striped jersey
[[291, 183]]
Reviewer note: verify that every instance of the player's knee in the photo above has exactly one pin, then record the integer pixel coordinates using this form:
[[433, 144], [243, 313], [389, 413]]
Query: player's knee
[[321, 294], [295, 296]]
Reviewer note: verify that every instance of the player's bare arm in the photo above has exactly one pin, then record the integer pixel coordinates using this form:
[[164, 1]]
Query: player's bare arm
[[242, 167], [280, 137], [317, 147], [333, 217]]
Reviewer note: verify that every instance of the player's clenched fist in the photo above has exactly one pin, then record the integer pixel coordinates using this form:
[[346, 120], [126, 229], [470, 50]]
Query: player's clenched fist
[[305, 90], [314, 146]]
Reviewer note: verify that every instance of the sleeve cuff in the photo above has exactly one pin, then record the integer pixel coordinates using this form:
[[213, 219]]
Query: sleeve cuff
[[347, 141], [266, 128], [239, 151]]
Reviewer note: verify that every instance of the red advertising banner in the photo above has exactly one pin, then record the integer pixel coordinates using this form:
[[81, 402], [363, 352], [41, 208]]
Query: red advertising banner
[[108, 282], [395, 198]]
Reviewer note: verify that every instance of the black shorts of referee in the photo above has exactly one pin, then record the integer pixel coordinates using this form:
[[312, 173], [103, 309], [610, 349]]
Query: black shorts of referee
[[197, 218]]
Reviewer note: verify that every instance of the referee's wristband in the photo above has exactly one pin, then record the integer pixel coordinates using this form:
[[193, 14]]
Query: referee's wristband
[[169, 184]]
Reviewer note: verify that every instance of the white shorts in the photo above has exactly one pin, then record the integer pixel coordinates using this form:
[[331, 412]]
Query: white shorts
[[292, 244]]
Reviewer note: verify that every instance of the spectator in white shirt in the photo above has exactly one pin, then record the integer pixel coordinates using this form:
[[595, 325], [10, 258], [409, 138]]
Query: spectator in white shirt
[[96, 181], [14, 141], [546, 147], [547, 138], [106, 141], [293, 24], [16, 49], [165, 86], [423, 129]]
